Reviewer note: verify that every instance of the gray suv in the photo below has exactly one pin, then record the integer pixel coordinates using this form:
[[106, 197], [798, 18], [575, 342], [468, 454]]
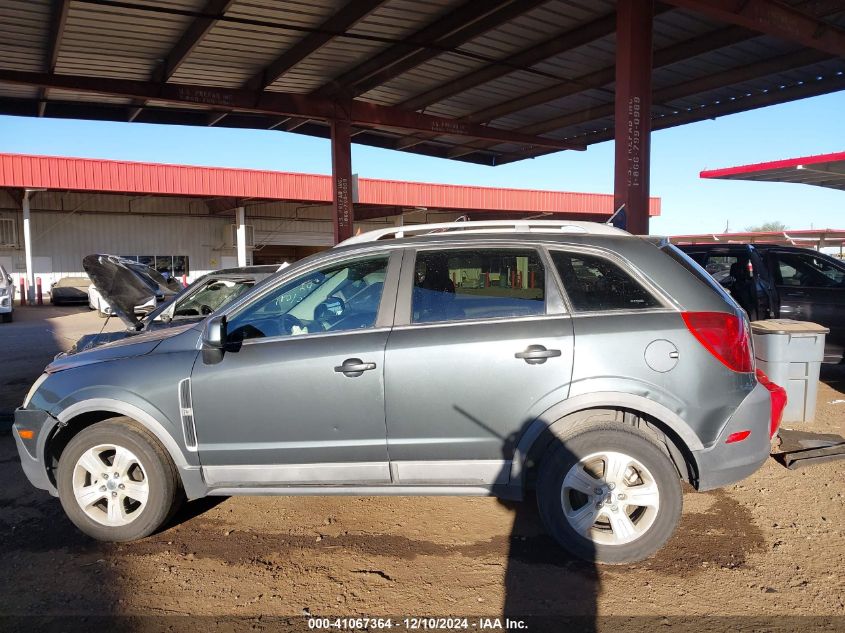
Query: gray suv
[[593, 367]]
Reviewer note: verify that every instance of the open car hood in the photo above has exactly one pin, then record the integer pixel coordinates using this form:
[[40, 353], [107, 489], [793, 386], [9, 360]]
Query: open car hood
[[123, 284]]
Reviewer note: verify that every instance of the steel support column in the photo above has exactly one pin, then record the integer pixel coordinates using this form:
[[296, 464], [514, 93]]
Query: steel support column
[[240, 222], [27, 245], [341, 179], [633, 111]]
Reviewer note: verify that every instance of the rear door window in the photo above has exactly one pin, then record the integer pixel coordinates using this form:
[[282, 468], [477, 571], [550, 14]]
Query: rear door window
[[807, 271], [595, 283], [488, 283]]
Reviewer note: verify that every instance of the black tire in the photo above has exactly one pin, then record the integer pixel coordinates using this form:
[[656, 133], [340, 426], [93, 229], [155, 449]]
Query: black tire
[[165, 489], [582, 441], [7, 317]]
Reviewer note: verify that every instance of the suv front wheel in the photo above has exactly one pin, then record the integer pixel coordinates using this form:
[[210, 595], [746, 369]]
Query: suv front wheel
[[609, 494], [116, 482]]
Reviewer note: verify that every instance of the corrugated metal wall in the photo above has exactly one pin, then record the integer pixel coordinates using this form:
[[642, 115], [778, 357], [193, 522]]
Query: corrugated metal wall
[[66, 226], [66, 238]]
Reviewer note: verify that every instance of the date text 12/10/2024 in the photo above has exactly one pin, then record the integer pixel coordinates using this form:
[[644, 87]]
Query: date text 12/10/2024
[[417, 624]]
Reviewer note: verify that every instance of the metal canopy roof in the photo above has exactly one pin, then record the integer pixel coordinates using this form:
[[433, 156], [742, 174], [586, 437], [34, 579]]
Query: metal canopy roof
[[822, 170], [485, 81]]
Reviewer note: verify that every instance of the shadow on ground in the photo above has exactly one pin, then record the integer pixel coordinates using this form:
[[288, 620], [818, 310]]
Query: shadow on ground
[[833, 376]]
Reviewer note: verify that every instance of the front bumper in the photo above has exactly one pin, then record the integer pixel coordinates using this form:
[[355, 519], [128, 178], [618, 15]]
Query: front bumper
[[722, 464], [31, 451]]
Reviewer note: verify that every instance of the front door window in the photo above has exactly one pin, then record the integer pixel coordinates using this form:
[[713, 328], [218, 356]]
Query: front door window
[[339, 297]]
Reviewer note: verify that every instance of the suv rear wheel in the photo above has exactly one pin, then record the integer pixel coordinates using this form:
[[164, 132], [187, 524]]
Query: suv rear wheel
[[609, 494], [116, 482]]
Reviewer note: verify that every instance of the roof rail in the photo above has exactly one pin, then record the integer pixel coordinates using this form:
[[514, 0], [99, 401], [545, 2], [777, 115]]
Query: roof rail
[[487, 226]]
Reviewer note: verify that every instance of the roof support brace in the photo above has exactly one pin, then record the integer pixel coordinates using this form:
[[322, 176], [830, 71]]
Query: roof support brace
[[633, 111], [773, 18], [359, 113], [192, 36], [57, 32], [341, 179]]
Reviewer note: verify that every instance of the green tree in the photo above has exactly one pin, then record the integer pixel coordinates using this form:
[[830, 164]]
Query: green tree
[[766, 227]]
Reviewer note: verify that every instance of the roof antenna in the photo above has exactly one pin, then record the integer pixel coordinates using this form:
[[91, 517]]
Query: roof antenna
[[463, 218], [619, 218]]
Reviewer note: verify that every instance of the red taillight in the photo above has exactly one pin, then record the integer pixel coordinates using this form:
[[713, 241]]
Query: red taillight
[[778, 398], [724, 335]]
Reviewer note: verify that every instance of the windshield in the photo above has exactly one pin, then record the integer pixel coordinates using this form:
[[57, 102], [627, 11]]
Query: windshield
[[210, 296]]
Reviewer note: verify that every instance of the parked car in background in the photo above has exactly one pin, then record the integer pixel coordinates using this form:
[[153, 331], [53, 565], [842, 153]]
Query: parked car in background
[[70, 290], [770, 281], [7, 296], [597, 368], [194, 303], [116, 280]]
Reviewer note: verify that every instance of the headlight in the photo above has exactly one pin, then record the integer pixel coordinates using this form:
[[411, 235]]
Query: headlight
[[34, 388], [4, 291]]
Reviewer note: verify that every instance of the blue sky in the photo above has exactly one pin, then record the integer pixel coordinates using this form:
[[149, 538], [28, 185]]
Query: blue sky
[[690, 204]]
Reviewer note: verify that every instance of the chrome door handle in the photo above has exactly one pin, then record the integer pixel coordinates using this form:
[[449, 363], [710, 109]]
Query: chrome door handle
[[537, 354], [354, 367]]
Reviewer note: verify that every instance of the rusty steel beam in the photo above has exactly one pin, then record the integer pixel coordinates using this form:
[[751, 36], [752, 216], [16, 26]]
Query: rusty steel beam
[[661, 97], [773, 18], [598, 79], [189, 40], [295, 105], [755, 101], [712, 111], [632, 96], [485, 22], [342, 213], [691, 88], [58, 20], [344, 18], [429, 36], [666, 56], [192, 36], [560, 43]]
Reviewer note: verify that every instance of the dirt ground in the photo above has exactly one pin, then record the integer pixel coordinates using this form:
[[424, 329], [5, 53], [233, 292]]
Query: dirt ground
[[770, 547]]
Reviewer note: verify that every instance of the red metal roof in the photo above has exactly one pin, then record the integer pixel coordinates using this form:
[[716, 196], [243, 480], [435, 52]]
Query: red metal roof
[[111, 176], [803, 237], [822, 170]]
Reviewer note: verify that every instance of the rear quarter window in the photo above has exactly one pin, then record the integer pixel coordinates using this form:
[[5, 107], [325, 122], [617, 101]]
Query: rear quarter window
[[697, 271], [594, 283]]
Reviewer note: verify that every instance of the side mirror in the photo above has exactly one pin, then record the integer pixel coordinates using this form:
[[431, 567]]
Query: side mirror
[[9, 279], [214, 336]]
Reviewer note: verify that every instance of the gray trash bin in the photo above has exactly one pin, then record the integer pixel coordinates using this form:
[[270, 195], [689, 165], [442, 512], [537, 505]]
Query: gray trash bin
[[790, 354]]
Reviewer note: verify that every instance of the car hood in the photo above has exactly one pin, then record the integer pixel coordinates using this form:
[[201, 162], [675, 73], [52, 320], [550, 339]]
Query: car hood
[[135, 345], [122, 286]]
